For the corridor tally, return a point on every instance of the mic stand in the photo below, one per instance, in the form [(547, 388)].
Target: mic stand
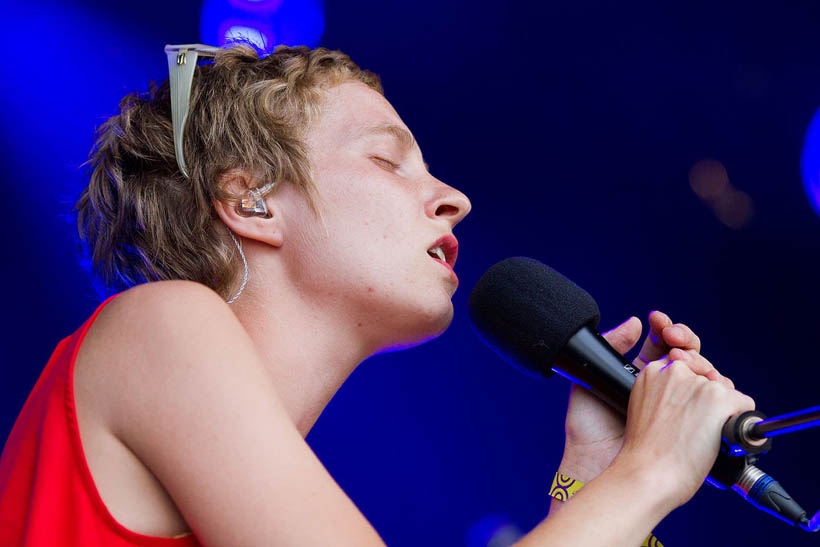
[(747, 435), (787, 423)]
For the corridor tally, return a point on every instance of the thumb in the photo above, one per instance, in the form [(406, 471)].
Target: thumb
[(624, 337)]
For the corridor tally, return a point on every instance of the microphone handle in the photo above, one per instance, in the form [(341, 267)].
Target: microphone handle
[(588, 359)]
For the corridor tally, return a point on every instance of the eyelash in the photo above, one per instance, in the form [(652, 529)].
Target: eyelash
[(393, 166)]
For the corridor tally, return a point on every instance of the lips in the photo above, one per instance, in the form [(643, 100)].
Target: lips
[(445, 249)]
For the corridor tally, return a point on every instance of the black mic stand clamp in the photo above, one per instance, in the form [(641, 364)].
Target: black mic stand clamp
[(734, 468), (738, 438)]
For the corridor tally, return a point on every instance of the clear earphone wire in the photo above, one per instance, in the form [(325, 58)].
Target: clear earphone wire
[(244, 264)]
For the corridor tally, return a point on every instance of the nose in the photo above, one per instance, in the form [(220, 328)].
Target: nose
[(447, 203)]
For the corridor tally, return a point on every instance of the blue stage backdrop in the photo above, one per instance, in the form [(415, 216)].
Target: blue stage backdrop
[(651, 151)]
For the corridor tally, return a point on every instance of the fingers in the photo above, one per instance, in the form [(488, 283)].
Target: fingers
[(657, 322), (663, 334), (700, 365), (744, 403), (681, 336), (624, 337), (693, 364), (675, 340), (655, 346), (654, 367), (680, 410), (702, 372), (681, 369), (696, 362), (731, 401)]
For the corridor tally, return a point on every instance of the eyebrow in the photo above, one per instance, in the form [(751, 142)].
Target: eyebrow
[(402, 135)]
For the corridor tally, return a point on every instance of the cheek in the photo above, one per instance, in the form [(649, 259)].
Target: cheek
[(368, 222), (377, 217)]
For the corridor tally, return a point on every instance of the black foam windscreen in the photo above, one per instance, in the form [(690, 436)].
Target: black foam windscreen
[(526, 312)]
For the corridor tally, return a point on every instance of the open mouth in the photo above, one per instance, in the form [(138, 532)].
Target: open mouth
[(437, 252), (445, 250)]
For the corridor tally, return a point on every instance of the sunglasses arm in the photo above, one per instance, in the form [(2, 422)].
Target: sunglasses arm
[(181, 65)]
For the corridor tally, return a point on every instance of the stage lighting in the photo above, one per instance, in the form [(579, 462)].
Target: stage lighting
[(265, 23), (810, 162)]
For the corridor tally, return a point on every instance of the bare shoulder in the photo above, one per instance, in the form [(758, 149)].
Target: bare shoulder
[(146, 332), (165, 308), (163, 342), (181, 384)]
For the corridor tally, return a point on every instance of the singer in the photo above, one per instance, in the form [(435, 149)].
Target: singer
[(269, 223)]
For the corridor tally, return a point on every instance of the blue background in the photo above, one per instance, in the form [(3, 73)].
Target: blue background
[(573, 127)]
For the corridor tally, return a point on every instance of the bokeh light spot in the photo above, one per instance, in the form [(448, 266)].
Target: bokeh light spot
[(810, 162), (708, 179), (710, 182), (265, 23)]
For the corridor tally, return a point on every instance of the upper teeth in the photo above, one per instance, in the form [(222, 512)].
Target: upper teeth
[(438, 253)]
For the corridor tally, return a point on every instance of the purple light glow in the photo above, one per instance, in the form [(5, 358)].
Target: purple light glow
[(265, 23), (810, 162)]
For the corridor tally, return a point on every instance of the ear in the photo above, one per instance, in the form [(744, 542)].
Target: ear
[(265, 230)]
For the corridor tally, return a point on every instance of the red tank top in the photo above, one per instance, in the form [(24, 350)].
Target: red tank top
[(47, 493)]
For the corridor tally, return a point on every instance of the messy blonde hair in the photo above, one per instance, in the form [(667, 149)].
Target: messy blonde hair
[(140, 220)]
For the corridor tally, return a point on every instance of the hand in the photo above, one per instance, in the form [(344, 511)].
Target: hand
[(673, 427), (594, 431)]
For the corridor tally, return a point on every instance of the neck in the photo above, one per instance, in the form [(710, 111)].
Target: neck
[(308, 351)]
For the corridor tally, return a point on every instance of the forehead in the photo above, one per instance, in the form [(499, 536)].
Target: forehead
[(350, 111)]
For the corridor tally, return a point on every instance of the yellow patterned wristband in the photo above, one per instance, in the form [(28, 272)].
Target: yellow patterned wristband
[(564, 487)]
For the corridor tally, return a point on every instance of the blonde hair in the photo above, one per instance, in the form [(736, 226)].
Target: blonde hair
[(140, 220)]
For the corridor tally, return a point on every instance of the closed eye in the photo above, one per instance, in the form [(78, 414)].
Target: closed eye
[(385, 163)]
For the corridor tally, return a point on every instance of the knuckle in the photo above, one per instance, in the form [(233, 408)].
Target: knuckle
[(747, 402), (726, 380), (678, 354), (678, 369), (646, 371), (714, 390), (699, 382), (652, 367)]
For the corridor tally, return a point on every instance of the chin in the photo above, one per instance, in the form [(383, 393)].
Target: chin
[(423, 330)]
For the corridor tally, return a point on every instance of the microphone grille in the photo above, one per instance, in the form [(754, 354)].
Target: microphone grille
[(527, 312)]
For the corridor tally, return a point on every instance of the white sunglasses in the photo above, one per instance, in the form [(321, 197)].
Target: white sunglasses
[(181, 65)]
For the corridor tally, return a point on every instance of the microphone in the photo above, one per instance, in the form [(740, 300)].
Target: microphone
[(542, 323)]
